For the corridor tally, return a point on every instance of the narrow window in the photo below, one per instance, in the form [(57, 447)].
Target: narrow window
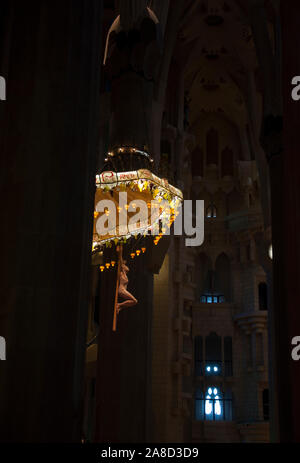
[(198, 356), (199, 405), (211, 211), (228, 355), (212, 147), (213, 404), (213, 355), (266, 404), (263, 296)]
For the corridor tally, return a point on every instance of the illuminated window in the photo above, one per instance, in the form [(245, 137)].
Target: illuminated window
[(213, 369), (213, 355), (215, 351), (212, 298), (213, 405)]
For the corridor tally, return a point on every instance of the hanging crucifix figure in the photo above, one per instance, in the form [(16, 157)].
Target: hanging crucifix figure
[(130, 300), (121, 289)]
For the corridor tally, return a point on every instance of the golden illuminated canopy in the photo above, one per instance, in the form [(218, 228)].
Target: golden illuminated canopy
[(132, 203)]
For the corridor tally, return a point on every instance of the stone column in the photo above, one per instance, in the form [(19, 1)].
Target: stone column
[(245, 144), (123, 393), (286, 251), (48, 144), (123, 386), (281, 148)]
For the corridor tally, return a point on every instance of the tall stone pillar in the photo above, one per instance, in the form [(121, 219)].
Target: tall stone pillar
[(123, 388), (123, 385), (286, 291), (48, 145), (282, 150)]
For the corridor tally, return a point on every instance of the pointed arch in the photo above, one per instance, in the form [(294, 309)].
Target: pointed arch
[(212, 147)]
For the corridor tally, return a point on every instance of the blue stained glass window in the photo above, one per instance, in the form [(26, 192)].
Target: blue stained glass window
[(212, 299), (213, 404)]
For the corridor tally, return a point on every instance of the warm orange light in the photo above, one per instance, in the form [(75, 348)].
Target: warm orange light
[(102, 268), (138, 252), (143, 250), (132, 255), (107, 265), (113, 263), (96, 214)]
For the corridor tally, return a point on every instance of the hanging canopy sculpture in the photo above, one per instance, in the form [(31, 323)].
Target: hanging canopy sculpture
[(129, 207)]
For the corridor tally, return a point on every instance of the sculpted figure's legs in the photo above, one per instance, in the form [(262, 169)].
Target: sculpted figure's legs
[(130, 300)]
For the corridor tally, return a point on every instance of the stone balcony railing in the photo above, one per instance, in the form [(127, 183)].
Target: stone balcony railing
[(252, 321)]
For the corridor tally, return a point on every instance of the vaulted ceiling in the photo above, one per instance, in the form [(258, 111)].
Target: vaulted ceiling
[(216, 48)]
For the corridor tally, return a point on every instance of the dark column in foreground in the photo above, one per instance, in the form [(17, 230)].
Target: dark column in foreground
[(48, 145), (123, 389), (124, 365), (285, 174)]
